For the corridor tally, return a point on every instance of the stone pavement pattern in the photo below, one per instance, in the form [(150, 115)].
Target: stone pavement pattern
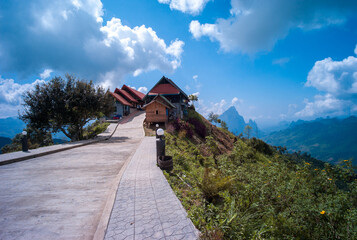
[(145, 205), (62, 195)]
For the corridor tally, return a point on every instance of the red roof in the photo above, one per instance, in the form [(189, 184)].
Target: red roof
[(140, 95), (126, 95), (164, 88), (120, 99)]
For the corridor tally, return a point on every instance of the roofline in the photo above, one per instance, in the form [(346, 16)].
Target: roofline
[(134, 91), (170, 81), (169, 104)]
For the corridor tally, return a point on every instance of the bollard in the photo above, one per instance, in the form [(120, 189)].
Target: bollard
[(25, 147), (160, 144), (157, 127)]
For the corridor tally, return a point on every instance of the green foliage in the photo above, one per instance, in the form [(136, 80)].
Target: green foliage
[(94, 129), (35, 138), (65, 105), (213, 182), (258, 192), (329, 139)]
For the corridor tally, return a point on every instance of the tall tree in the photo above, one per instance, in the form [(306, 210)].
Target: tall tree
[(193, 98), (248, 130), (65, 105)]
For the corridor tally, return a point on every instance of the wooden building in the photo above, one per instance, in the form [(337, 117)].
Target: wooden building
[(126, 99), (171, 93), (158, 110)]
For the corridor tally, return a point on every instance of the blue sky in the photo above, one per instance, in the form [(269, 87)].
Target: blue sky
[(273, 60)]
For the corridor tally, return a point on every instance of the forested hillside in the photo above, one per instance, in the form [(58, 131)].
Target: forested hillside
[(237, 188), (328, 139)]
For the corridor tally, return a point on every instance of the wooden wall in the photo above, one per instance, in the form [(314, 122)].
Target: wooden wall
[(156, 112)]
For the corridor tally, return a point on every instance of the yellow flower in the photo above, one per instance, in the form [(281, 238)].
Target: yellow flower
[(307, 163), (316, 169), (330, 179), (323, 170), (322, 212), (345, 160)]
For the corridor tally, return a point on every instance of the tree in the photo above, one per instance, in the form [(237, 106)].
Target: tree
[(224, 125), (247, 131), (193, 98), (213, 117), (65, 105)]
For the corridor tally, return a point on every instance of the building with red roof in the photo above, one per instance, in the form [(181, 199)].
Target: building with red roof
[(170, 102), (126, 99)]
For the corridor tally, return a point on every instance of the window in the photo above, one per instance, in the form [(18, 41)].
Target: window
[(157, 112)]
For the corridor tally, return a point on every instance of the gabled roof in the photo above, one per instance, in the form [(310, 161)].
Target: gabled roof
[(126, 95), (138, 94), (165, 86), (120, 99), (162, 100)]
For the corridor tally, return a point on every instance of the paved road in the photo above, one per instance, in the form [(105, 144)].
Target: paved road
[(145, 205), (62, 195)]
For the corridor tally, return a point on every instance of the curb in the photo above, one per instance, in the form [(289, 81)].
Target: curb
[(107, 211), (23, 158)]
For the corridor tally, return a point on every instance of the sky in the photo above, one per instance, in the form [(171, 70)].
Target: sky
[(273, 60)]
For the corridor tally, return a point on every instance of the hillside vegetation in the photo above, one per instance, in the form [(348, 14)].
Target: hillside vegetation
[(236, 188), (328, 139)]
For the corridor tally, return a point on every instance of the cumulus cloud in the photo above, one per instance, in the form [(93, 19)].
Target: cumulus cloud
[(46, 73), (338, 80), (143, 89), (11, 96), (236, 101), (11, 92), (187, 6), (256, 25), (70, 36), (196, 94)]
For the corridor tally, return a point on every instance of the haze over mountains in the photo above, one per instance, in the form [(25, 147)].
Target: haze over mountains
[(329, 139), (236, 123)]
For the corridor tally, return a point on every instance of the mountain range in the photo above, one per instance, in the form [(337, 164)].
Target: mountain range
[(236, 123), (329, 139)]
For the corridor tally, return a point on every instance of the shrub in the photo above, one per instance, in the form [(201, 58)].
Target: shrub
[(213, 182), (199, 127), (260, 146)]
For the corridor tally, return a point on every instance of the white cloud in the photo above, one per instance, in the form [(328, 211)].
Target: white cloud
[(205, 108), (338, 79), (187, 6), (11, 92), (326, 105), (196, 94), (256, 25), (236, 101), (70, 36), (143, 89), (46, 73), (195, 77), (187, 88)]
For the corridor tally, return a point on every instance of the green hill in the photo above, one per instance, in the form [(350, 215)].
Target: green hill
[(4, 141), (328, 139), (236, 188)]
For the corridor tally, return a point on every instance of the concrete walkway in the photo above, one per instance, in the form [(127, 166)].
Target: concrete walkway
[(145, 205), (65, 195), (13, 157)]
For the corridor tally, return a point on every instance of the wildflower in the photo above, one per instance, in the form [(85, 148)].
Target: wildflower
[(330, 179), (307, 163), (322, 212), (323, 170), (316, 169), (345, 160)]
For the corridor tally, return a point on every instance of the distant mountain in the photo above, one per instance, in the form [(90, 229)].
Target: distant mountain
[(329, 139), (4, 141), (236, 123), (9, 127)]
